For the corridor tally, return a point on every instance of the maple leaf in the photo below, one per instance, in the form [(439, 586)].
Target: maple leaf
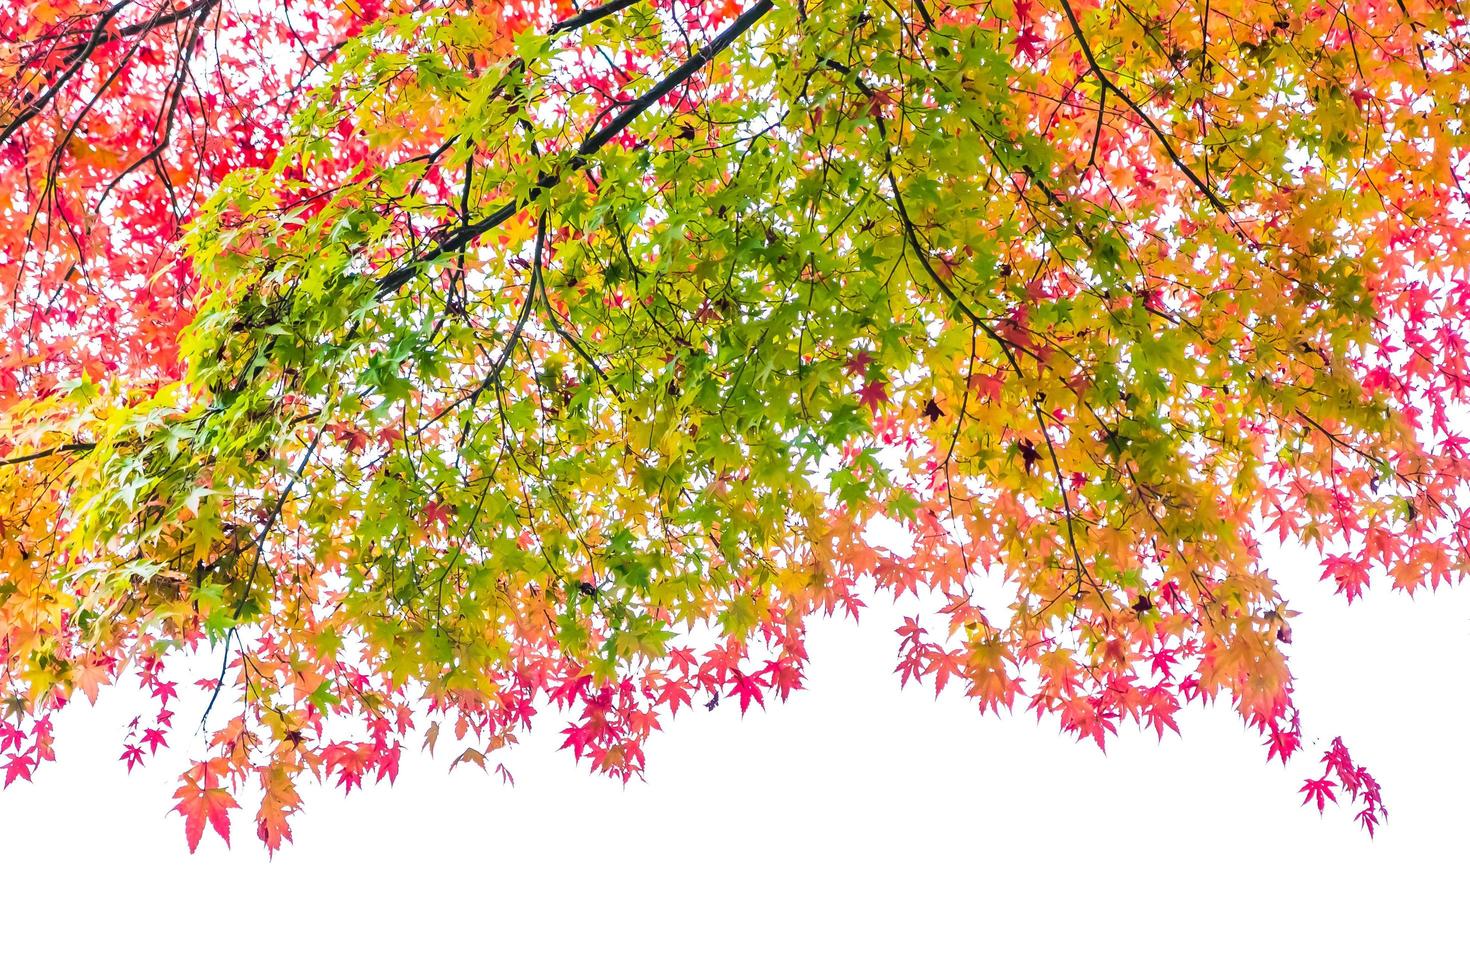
[(19, 766), (350, 761), (202, 800), (1350, 574), (1029, 43), (387, 762), (471, 755), (272, 828), (988, 385), (438, 514), (1318, 791), (1282, 744), (675, 695), (278, 801), (873, 394), (785, 676), (943, 665), (910, 668), (154, 739), (88, 676), (578, 737), (746, 688), (877, 102), (11, 737), (1029, 453), (1407, 576), (859, 362)]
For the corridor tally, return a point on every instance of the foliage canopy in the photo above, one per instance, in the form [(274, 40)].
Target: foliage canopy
[(421, 363)]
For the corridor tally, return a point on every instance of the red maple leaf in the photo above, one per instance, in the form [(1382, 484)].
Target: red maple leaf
[(1029, 43), (577, 738), (153, 738), (438, 513), (873, 394), (676, 695), (350, 761), (1319, 790), (785, 676), (19, 767), (1350, 574), (132, 755), (748, 691), (1282, 743)]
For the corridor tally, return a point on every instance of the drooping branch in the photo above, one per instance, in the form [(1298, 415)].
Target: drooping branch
[(34, 106), (84, 50), (1111, 86), (464, 234)]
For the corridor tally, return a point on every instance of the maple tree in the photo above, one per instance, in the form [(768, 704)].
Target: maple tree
[(407, 364)]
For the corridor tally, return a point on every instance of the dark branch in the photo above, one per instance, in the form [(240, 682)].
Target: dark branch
[(34, 107), (70, 447), (101, 35), (391, 282), (590, 16), (1109, 85)]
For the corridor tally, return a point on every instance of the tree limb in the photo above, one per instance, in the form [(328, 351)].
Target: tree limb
[(70, 447), (392, 281), (1110, 85)]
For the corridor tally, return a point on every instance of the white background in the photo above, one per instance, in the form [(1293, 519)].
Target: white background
[(854, 831)]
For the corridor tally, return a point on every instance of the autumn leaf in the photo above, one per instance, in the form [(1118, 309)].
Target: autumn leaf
[(201, 799), (18, 766), (873, 394), (1318, 791), (747, 690)]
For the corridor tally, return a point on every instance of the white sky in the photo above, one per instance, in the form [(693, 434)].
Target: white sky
[(855, 831)]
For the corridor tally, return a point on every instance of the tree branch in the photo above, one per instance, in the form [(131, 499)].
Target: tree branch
[(258, 543), (590, 16), (1109, 85), (99, 36), (34, 107), (392, 281), (70, 447)]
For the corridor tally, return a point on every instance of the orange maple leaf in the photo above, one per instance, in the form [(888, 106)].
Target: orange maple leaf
[(201, 799)]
